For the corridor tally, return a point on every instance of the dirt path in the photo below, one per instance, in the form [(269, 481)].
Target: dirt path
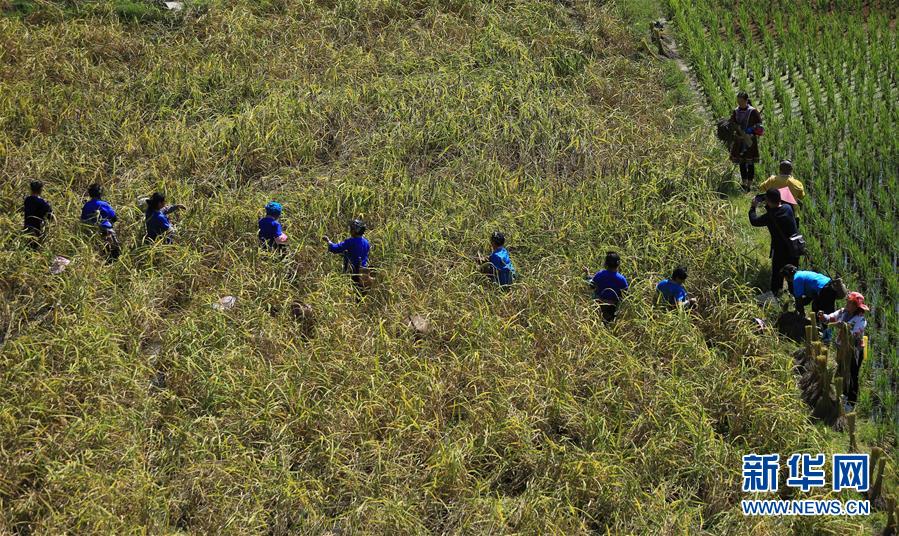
[(682, 65)]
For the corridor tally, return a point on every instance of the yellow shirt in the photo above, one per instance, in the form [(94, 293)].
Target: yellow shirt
[(784, 181)]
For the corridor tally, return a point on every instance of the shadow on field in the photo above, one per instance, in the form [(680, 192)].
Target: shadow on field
[(755, 271), (792, 325), (760, 276), (728, 186)]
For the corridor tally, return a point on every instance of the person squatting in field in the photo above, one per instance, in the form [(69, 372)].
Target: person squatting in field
[(36, 211), (271, 234), (608, 286), (781, 224), (745, 147), (156, 219), (785, 179), (355, 250), (498, 266), (99, 214), (809, 287), (672, 291)]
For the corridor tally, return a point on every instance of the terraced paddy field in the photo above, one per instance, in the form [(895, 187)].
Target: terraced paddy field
[(132, 401), (824, 75)]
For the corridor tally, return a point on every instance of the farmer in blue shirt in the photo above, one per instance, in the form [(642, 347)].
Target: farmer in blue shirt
[(157, 221), (498, 267), (96, 211), (99, 213), (811, 287), (355, 254), (271, 235), (608, 286), (672, 290)]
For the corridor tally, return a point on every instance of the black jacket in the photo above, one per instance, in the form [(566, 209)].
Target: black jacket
[(36, 210), (781, 231)]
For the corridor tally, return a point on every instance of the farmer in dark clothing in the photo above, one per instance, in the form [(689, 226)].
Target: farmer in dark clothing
[(745, 147), (781, 223), (36, 210)]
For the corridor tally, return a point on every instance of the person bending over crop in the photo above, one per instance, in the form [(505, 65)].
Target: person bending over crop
[(811, 287), (36, 210), (355, 251), (745, 148), (498, 267), (781, 224), (854, 315), (271, 235), (98, 213), (608, 286), (157, 221), (672, 290), (785, 179)]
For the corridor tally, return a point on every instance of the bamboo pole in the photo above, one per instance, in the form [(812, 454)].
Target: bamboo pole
[(850, 423)]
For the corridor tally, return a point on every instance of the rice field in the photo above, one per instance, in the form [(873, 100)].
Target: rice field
[(824, 76), (134, 399)]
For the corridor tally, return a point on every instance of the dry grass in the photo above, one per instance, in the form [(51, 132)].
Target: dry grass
[(438, 123)]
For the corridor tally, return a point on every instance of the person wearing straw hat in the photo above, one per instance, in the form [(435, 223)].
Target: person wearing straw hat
[(271, 234), (785, 179), (854, 315), (781, 224)]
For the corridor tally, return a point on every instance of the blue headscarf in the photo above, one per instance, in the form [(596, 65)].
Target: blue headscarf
[(273, 209)]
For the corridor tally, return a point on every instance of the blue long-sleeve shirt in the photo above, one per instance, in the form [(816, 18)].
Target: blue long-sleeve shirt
[(355, 253), (502, 264), (673, 292), (269, 230), (807, 283), (98, 212), (158, 223)]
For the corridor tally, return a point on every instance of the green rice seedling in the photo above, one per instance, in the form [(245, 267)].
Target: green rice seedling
[(822, 81)]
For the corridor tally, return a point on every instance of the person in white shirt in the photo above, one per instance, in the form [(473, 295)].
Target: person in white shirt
[(854, 315)]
